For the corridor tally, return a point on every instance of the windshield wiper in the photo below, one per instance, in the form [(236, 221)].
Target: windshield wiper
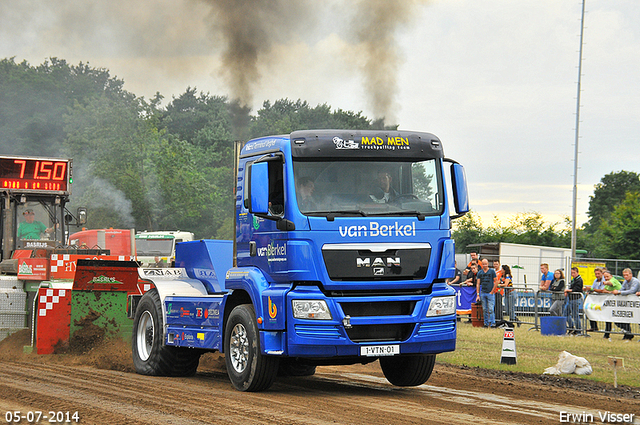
[(418, 214), (331, 215)]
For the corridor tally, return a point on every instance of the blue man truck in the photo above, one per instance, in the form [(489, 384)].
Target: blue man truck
[(343, 245)]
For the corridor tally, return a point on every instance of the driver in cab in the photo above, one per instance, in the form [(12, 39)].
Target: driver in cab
[(383, 193), (32, 228)]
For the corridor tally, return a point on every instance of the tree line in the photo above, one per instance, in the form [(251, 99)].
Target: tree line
[(612, 231)]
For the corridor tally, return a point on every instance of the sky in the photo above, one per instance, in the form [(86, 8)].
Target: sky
[(495, 80)]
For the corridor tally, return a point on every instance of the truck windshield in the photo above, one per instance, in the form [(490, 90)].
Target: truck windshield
[(149, 247), (369, 187)]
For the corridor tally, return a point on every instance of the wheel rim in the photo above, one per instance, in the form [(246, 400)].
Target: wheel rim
[(144, 336), (239, 348)]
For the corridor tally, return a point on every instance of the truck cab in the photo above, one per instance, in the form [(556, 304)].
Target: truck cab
[(353, 229), (158, 249)]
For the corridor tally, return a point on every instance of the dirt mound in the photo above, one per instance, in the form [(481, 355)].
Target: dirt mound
[(12, 346), (564, 382), (88, 348), (212, 362)]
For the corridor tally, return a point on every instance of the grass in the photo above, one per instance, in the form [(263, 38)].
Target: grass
[(481, 347)]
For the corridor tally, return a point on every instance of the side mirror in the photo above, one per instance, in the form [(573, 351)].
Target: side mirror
[(460, 193), (259, 188), (82, 216)]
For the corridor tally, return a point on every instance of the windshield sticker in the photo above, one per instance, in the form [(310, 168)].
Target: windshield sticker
[(344, 144), (260, 144), (373, 143), (391, 143), (377, 229)]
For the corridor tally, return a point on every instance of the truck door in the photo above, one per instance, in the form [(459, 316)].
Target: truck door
[(265, 199)]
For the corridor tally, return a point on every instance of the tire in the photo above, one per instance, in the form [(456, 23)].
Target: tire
[(150, 355), (408, 370), (292, 367), (247, 368)]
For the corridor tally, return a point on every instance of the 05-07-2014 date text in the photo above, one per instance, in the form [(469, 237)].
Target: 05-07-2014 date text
[(36, 416)]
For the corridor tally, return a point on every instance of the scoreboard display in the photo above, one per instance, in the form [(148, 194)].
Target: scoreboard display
[(28, 174)]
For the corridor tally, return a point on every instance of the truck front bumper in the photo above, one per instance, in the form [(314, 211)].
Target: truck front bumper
[(358, 322)]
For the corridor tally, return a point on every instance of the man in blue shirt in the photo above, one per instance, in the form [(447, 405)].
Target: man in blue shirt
[(547, 277), (486, 287), (598, 287)]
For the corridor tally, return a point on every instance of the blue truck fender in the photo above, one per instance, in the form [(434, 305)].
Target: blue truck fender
[(268, 300), (172, 283)]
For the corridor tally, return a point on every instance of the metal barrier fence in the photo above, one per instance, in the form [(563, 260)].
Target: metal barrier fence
[(524, 306), (526, 269)]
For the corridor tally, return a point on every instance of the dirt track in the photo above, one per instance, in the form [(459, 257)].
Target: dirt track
[(102, 389)]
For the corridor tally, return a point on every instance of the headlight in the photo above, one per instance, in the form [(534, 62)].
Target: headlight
[(311, 309), (442, 306)]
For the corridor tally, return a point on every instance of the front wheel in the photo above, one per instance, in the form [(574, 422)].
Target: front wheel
[(408, 370), (247, 368)]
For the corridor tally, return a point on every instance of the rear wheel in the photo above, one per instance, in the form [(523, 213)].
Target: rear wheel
[(247, 368), (150, 355), (408, 370)]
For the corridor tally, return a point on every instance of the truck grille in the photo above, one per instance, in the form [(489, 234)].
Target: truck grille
[(386, 308), (368, 333), (345, 263)]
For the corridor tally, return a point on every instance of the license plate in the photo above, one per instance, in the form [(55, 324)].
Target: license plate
[(379, 350)]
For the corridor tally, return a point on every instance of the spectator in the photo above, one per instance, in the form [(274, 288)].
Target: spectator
[(598, 287), (546, 278), (506, 284), (32, 228), (474, 257), (557, 293), (470, 278), (486, 288), (499, 291), (457, 279), (630, 286), (572, 302), (610, 284)]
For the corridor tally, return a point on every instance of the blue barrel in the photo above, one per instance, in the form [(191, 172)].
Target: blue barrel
[(553, 325)]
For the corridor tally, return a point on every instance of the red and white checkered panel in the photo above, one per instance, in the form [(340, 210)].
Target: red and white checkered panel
[(53, 319), (50, 297)]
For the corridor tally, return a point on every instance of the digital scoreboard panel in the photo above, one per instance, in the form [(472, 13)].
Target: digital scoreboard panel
[(28, 174)]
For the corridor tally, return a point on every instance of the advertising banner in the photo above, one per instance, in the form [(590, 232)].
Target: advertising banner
[(465, 296), (613, 308)]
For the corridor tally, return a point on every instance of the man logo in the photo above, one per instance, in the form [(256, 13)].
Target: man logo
[(378, 262)]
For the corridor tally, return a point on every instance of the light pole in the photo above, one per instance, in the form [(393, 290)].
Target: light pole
[(575, 154)]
